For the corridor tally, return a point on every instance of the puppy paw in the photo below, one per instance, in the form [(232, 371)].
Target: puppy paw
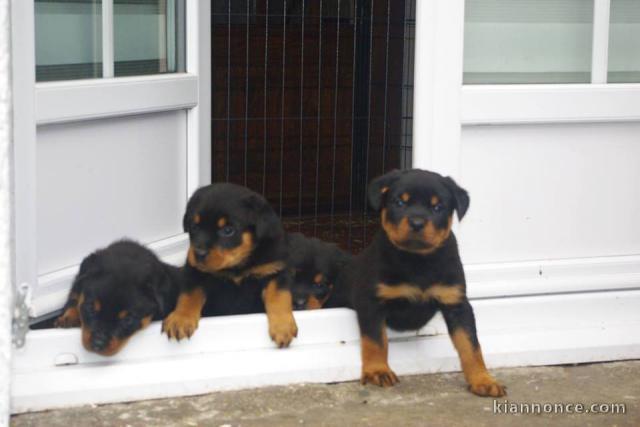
[(380, 375), (487, 386), (180, 325), (69, 319), (283, 330)]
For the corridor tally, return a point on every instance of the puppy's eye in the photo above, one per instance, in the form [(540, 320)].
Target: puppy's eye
[(439, 207), (227, 231), (400, 203)]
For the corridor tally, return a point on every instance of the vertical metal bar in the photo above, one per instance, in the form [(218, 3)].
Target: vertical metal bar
[(284, 58), (353, 122), (228, 147), (386, 89), (246, 96), (335, 121), (266, 64), (366, 155), (315, 217), (301, 118), (107, 39)]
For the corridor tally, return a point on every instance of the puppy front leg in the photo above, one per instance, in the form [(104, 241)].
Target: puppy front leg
[(183, 321), (374, 349), (279, 307), (461, 324)]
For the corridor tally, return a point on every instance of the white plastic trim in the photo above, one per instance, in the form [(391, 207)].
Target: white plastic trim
[(108, 48), (75, 100), (579, 103), (439, 45), (600, 45)]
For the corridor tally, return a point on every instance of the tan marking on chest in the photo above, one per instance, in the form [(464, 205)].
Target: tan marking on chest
[(259, 271), (444, 294)]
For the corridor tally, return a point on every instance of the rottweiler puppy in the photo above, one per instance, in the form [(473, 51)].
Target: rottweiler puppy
[(411, 270), (315, 266), (118, 291), (236, 262)]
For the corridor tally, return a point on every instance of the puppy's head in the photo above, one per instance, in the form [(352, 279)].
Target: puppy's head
[(117, 300), (226, 224), (315, 265), (416, 208)]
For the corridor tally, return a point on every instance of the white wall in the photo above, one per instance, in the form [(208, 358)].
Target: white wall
[(5, 223)]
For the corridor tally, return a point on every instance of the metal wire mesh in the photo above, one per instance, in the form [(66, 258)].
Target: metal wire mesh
[(312, 100)]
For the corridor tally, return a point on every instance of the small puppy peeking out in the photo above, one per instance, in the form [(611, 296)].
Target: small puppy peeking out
[(412, 270), (315, 265), (118, 291), (236, 263)]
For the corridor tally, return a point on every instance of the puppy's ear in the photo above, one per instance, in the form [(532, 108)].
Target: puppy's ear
[(187, 219), (380, 186), (267, 223), (460, 196)]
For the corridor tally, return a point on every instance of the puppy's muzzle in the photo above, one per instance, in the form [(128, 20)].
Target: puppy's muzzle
[(200, 254), (416, 223)]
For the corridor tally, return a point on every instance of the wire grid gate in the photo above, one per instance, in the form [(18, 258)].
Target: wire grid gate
[(311, 100)]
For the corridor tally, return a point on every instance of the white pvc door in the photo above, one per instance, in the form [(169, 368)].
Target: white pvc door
[(534, 106), (117, 136)]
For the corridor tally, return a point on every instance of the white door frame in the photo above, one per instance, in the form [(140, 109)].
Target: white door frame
[(56, 102)]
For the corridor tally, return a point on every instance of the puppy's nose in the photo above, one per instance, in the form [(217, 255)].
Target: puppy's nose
[(416, 224), (200, 254), (299, 304), (99, 341)]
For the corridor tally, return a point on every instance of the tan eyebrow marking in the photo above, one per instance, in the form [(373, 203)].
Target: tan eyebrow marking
[(434, 200), (405, 197), (222, 222)]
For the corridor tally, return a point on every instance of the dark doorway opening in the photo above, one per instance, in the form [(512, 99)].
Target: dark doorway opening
[(310, 101)]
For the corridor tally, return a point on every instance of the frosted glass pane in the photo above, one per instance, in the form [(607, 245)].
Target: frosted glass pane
[(624, 42), (68, 39), (527, 41), (148, 36)]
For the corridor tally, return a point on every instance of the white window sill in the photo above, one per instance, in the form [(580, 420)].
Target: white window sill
[(235, 352)]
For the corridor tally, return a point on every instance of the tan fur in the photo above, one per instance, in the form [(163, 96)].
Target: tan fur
[(220, 259), (259, 271), (375, 368), (183, 320), (473, 367), (444, 294), (279, 307)]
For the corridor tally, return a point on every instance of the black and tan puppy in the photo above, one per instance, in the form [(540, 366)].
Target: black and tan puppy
[(411, 270), (118, 291), (315, 266), (236, 262)]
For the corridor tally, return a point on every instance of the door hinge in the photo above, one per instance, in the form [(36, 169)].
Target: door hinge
[(20, 324)]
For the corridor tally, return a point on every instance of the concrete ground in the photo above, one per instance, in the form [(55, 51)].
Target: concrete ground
[(439, 400)]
